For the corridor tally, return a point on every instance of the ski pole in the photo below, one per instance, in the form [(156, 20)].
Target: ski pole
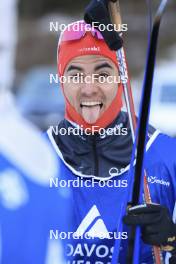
[(114, 9)]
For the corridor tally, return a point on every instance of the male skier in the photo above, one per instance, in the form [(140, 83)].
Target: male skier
[(94, 147)]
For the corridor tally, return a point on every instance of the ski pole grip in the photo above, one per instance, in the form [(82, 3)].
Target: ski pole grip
[(114, 10)]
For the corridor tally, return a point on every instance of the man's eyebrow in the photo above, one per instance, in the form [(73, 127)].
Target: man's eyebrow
[(74, 67), (103, 65)]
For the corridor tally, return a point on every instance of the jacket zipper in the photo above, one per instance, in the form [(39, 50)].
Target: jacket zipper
[(95, 154)]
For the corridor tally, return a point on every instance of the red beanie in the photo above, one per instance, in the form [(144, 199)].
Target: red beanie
[(86, 45)]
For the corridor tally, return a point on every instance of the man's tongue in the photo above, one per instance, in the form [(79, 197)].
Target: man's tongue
[(91, 113)]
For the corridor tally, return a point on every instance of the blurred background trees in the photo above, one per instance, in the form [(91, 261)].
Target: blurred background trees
[(34, 35)]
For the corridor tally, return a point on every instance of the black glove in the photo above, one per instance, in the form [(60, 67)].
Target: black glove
[(97, 11), (157, 227)]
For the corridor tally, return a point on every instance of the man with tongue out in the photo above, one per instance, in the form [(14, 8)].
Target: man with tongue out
[(100, 163), (93, 100)]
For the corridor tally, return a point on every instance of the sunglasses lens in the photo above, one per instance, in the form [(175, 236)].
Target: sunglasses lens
[(78, 30), (71, 35)]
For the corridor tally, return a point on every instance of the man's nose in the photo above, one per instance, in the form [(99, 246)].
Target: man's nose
[(89, 88)]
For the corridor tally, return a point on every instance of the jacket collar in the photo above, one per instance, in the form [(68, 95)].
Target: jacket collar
[(95, 155)]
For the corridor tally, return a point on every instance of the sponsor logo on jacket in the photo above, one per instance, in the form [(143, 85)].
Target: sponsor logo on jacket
[(155, 180), (98, 251)]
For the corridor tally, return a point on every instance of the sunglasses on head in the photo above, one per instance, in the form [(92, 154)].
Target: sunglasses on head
[(78, 30)]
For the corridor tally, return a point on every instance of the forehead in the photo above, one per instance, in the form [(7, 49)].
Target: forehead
[(90, 61)]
